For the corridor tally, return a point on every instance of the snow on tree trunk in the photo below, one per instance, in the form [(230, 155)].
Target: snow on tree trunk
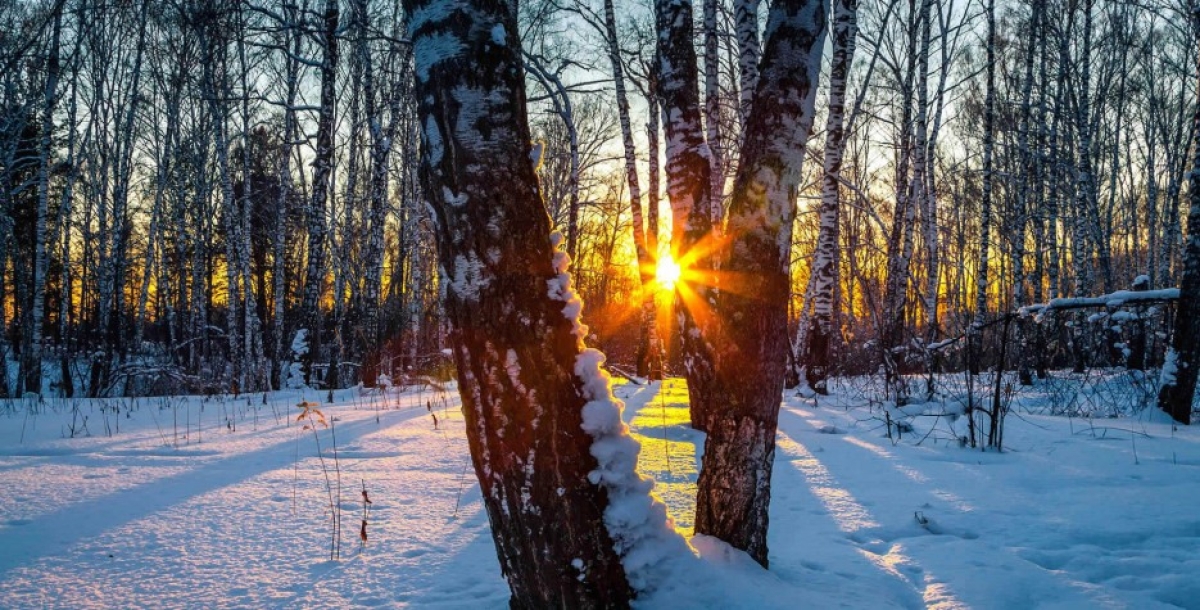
[(989, 121), (688, 186), (573, 523), (923, 192), (734, 487), (825, 268), (1025, 357), (253, 373), (1080, 233), (1179, 389)]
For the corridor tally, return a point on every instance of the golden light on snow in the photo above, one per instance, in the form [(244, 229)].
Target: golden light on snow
[(668, 272)]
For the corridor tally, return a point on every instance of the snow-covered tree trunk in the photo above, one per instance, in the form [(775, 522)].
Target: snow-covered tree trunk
[(66, 285), (1080, 227), (816, 354), (314, 276), (554, 462), (1025, 193), (734, 490), (899, 243), (1153, 213), (253, 375), (688, 186), (1058, 172), (1182, 364), (919, 188)]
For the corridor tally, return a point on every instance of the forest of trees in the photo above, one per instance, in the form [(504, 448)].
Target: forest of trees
[(186, 185), (234, 196)]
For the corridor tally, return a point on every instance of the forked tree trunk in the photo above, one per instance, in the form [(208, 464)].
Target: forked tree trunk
[(552, 457), (734, 488)]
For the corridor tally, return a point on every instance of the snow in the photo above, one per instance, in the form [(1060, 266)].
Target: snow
[(295, 369), (637, 521), (300, 343), (468, 277), (1170, 368), (1114, 299), (433, 141), (434, 48), (221, 502), (499, 38)]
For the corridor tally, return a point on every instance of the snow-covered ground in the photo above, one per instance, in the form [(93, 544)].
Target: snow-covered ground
[(188, 502)]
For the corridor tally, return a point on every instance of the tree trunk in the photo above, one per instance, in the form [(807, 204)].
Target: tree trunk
[(286, 187), (648, 349), (816, 355), (745, 16), (314, 276), (1183, 361), (688, 186), (734, 488), (31, 358), (530, 389)]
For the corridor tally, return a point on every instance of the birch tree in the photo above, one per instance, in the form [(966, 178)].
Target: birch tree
[(31, 363), (554, 462), (314, 276), (827, 259), (735, 359)]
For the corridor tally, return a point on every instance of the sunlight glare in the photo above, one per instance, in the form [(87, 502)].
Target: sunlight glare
[(668, 272)]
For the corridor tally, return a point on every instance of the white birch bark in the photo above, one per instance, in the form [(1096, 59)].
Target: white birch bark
[(817, 348), (32, 358)]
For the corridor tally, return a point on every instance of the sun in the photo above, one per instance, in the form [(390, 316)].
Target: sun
[(668, 272)]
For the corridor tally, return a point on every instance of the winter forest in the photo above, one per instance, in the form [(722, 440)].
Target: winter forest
[(592, 303)]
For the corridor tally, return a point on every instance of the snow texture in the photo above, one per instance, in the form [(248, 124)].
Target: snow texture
[(498, 36), (1115, 299), (1170, 368), (637, 521), (184, 502)]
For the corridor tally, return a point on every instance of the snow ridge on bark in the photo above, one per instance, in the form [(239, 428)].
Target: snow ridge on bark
[(643, 533)]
